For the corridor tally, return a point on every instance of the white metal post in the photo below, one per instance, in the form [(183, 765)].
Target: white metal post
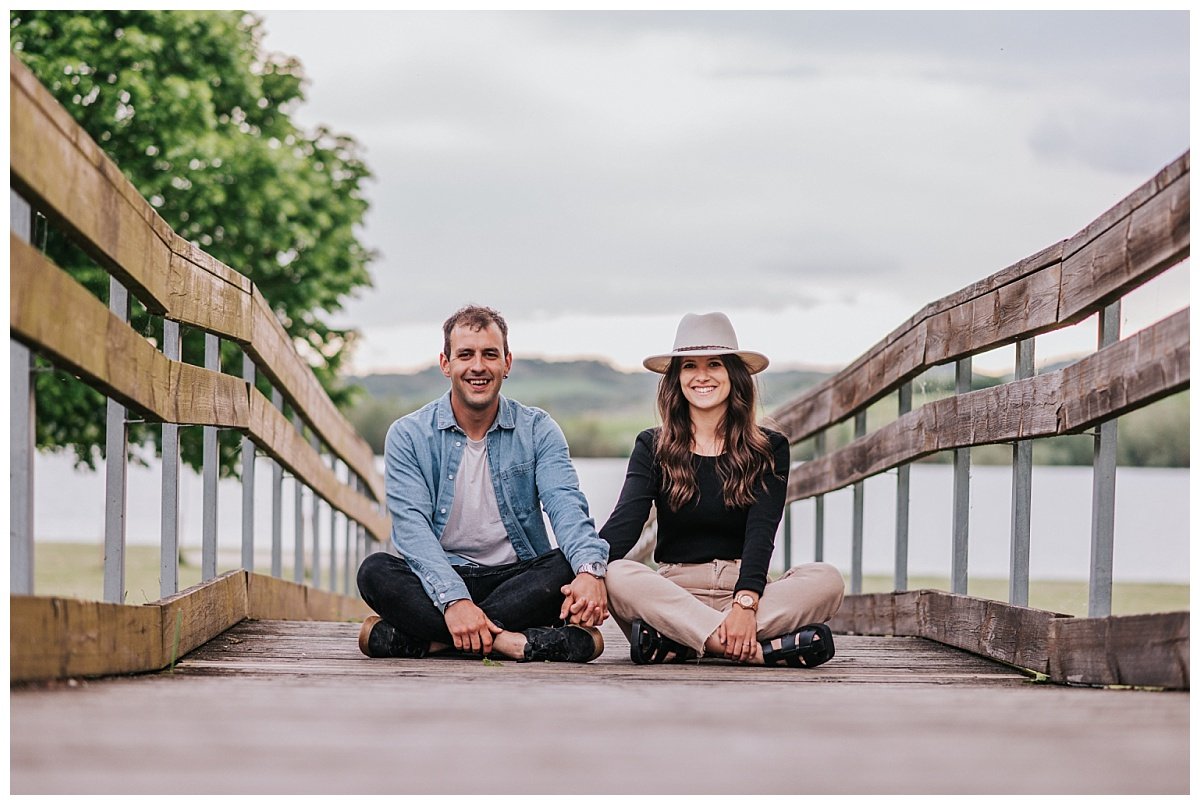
[(248, 455), (316, 525), (298, 515), (819, 506), (962, 492), (277, 502), (115, 472), (856, 532), (333, 514), (900, 568), (1022, 494), (1104, 489), (211, 473), (168, 578), (21, 410)]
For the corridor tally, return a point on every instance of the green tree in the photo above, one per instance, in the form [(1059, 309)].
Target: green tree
[(196, 115)]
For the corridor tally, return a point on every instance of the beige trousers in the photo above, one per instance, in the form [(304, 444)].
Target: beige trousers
[(687, 602)]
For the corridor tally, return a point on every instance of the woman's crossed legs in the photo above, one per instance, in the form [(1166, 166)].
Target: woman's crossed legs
[(688, 602)]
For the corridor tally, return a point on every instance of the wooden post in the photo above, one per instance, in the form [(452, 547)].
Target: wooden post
[(211, 471), (168, 554), (21, 420), (900, 569), (856, 536), (1104, 488), (115, 472), (1022, 493), (962, 492)]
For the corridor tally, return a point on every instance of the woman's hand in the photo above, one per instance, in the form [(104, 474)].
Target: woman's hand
[(738, 634)]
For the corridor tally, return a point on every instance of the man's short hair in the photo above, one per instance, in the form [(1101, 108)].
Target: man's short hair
[(477, 318)]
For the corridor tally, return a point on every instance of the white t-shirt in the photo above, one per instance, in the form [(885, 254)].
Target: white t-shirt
[(473, 530)]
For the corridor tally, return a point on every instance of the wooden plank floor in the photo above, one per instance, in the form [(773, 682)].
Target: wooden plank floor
[(292, 707)]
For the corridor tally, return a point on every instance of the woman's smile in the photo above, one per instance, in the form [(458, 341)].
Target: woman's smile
[(704, 381)]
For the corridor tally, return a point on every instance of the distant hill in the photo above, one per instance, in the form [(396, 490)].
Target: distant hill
[(600, 408)]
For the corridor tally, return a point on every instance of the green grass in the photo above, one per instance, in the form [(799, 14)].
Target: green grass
[(77, 571)]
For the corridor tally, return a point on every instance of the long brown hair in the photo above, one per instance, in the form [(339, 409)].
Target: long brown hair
[(747, 458)]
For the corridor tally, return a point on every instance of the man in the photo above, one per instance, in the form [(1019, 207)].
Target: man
[(465, 477)]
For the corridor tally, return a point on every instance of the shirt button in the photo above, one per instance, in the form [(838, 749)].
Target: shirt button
[(451, 476), (458, 444), (443, 511)]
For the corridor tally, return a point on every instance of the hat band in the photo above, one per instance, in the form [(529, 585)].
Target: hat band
[(704, 346)]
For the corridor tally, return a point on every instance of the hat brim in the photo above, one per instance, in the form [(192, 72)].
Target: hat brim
[(755, 361)]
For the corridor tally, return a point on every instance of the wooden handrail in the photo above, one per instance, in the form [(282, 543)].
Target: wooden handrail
[(1145, 234), (1131, 373), (1139, 238), (57, 165)]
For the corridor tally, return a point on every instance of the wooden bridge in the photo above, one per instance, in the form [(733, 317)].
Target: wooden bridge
[(252, 682)]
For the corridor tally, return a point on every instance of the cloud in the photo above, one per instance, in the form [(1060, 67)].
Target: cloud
[(1115, 140), (632, 164)]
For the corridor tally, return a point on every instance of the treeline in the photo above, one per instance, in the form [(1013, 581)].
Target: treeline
[(601, 409)]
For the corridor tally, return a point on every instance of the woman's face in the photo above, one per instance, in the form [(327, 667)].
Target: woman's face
[(705, 382)]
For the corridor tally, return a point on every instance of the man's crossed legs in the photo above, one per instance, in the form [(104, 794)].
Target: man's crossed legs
[(522, 599)]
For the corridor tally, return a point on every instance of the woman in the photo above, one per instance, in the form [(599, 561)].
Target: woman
[(718, 481)]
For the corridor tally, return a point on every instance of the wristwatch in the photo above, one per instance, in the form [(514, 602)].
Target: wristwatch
[(597, 569), (746, 601)]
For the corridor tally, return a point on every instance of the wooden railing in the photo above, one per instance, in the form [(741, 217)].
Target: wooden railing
[(57, 170), (1135, 241)]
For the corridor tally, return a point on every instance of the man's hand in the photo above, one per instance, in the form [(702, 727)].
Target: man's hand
[(471, 629), (738, 634), (585, 601)]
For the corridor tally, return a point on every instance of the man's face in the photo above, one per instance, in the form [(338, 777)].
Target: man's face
[(476, 366)]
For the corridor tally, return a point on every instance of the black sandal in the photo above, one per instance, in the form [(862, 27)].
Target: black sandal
[(647, 646), (809, 647)]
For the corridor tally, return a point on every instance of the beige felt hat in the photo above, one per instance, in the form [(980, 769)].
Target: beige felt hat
[(706, 334)]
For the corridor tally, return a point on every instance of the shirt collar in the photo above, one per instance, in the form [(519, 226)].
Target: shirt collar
[(505, 418)]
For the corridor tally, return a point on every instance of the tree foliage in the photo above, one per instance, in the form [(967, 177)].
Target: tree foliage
[(196, 115)]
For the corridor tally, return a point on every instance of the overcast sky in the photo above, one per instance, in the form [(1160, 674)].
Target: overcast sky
[(819, 176)]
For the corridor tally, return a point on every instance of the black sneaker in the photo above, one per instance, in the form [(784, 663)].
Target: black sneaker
[(378, 638), (562, 644)]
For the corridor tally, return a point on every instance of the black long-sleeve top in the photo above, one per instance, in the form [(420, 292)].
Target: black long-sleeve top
[(704, 529)]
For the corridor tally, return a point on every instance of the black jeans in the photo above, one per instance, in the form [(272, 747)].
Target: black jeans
[(514, 596)]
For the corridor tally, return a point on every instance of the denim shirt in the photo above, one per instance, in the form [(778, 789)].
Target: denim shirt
[(529, 465)]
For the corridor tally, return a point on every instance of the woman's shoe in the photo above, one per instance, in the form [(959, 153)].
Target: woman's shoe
[(648, 646), (807, 647)]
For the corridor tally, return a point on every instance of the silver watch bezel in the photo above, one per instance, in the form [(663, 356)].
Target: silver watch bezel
[(594, 569)]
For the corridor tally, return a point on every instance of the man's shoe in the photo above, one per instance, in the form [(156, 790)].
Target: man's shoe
[(562, 644), (378, 638)]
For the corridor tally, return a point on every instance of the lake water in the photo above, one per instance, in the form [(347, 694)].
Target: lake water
[(1152, 520)]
